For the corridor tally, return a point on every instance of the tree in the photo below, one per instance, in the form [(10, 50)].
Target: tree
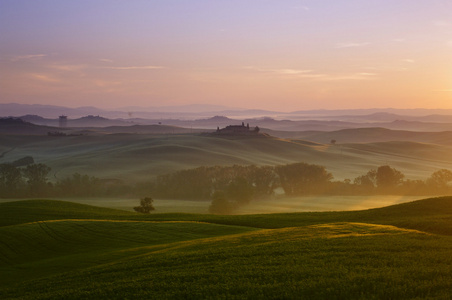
[(240, 190), (36, 175), (10, 180), (439, 180), (145, 205), (366, 182), (221, 205), (264, 179), (79, 185), (388, 178), (303, 178)]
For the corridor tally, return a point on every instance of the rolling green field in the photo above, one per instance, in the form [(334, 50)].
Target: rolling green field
[(140, 157), (62, 250)]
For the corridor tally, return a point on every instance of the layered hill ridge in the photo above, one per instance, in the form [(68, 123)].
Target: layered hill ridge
[(136, 157)]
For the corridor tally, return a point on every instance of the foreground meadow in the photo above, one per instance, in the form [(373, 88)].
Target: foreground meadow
[(62, 250)]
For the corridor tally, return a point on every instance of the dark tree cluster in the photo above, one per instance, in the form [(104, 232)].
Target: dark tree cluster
[(387, 180), (240, 182), (24, 181), (146, 205), (228, 187), (32, 181)]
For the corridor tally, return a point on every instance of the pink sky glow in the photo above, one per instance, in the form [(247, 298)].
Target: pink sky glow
[(267, 54)]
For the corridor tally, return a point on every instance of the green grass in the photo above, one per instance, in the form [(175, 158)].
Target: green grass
[(139, 157), (18, 212), (62, 250), (47, 246)]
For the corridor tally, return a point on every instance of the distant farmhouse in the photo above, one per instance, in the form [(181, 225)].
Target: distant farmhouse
[(237, 130)]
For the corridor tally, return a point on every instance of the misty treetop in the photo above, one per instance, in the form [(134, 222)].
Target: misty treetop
[(26, 181), (237, 183), (244, 183)]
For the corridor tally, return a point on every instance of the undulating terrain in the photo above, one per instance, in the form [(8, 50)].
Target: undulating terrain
[(316, 247), (134, 153), (56, 250)]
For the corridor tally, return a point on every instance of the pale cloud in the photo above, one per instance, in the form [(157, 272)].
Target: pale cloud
[(43, 77), (106, 60), (279, 71), (290, 71), (444, 91), (407, 60), (28, 57), (310, 74), (106, 83), (351, 45), (351, 76), (67, 67), (137, 68)]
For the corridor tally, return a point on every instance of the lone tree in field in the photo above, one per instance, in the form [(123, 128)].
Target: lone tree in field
[(145, 205)]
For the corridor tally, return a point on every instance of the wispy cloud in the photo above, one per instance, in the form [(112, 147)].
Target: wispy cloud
[(349, 76), (290, 71), (44, 77), (407, 60), (106, 60), (310, 74), (137, 68), (68, 67), (444, 91), (282, 71), (27, 57), (351, 45)]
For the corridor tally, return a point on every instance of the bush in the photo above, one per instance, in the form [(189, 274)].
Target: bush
[(145, 205)]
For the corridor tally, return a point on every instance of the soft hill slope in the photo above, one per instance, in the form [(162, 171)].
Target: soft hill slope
[(71, 244), (433, 215), (19, 212), (96, 253)]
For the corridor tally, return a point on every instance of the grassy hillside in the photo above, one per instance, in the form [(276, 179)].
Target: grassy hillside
[(138, 157), (20, 212), (55, 250)]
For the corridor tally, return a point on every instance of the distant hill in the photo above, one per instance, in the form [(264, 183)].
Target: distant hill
[(85, 121), (202, 111), (18, 126), (371, 135)]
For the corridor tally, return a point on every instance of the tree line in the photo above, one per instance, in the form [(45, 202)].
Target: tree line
[(242, 184), (32, 180)]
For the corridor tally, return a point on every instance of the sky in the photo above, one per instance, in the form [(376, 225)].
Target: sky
[(280, 55)]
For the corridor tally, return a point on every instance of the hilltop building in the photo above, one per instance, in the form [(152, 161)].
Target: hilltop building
[(62, 121), (237, 130)]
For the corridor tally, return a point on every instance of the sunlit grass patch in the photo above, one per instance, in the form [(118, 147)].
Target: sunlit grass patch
[(46, 246), (373, 254), (380, 262)]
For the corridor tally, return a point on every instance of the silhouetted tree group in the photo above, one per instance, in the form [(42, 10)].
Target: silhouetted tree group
[(32, 181), (227, 186), (24, 181)]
